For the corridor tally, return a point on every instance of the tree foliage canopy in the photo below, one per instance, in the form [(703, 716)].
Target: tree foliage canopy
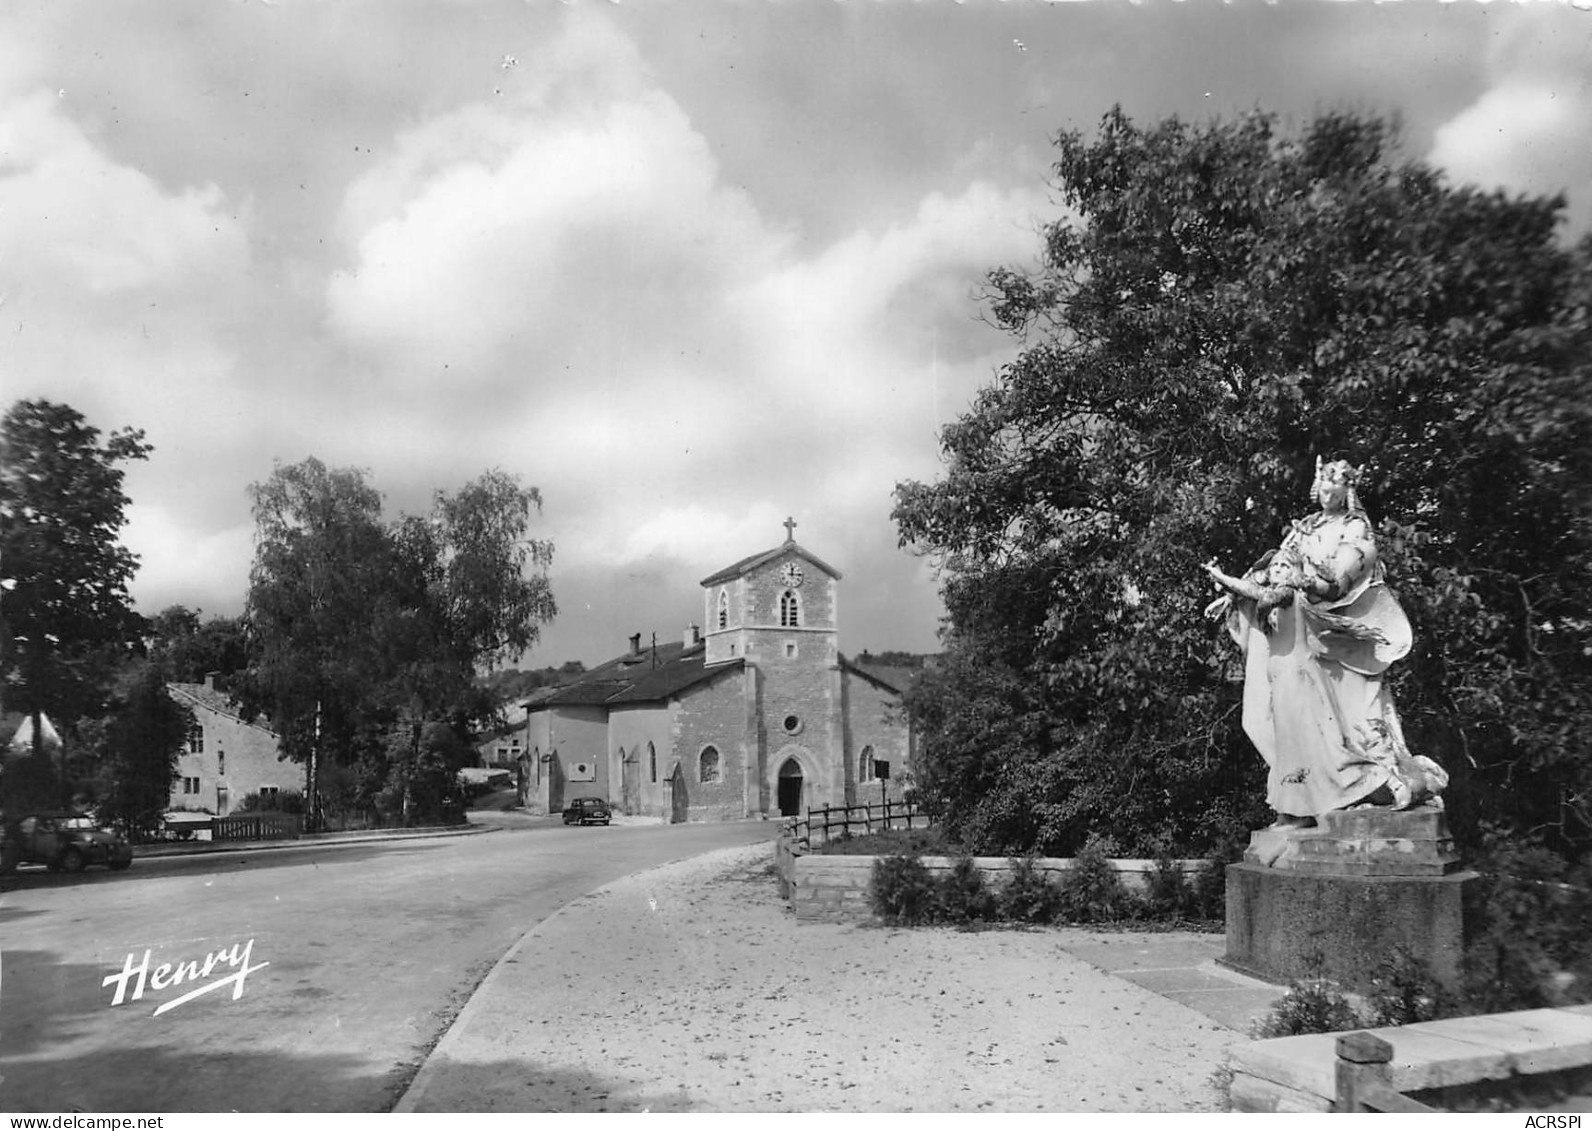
[(1219, 305), (365, 633), (65, 572)]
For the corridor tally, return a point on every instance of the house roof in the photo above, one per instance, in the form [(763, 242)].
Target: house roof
[(646, 676), (200, 695), (747, 565)]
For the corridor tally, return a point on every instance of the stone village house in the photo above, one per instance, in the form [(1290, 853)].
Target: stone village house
[(225, 758), (758, 715)]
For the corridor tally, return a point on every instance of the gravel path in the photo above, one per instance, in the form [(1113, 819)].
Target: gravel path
[(691, 988)]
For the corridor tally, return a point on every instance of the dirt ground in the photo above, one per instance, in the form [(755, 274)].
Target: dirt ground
[(691, 988)]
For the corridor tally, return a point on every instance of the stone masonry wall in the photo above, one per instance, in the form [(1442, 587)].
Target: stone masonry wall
[(238, 759), (714, 714), (874, 718)]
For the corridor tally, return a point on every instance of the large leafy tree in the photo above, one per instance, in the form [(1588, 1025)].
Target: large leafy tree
[(65, 606), (1220, 304), (142, 740), (363, 632), (190, 650)]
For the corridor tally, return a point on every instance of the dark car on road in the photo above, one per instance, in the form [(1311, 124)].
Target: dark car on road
[(62, 842), (588, 811)]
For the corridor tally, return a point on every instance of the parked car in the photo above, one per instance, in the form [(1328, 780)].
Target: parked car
[(62, 842), (588, 811)]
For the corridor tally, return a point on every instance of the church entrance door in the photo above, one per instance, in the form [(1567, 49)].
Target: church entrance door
[(790, 788), (679, 801)]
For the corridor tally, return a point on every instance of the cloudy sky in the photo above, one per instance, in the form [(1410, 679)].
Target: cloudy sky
[(686, 268)]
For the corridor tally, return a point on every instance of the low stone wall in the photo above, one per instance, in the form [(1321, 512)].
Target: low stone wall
[(1299, 1074), (833, 889)]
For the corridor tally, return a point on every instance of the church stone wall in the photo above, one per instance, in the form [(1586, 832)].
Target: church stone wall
[(577, 734), (803, 690), (714, 714), (875, 718), (633, 729)]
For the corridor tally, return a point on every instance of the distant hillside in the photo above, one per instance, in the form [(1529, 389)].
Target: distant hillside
[(511, 684), (890, 659)]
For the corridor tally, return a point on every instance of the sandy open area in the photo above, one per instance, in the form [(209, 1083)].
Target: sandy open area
[(691, 988)]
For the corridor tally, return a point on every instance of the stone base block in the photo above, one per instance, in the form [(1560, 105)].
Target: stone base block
[(1284, 924)]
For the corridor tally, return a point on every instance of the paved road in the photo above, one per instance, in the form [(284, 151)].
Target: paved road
[(353, 960)]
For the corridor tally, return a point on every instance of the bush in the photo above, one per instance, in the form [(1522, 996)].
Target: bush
[(1092, 891), (902, 891), (1168, 893), (963, 896), (1029, 896), (1314, 1005), (1404, 992), (1526, 925), (283, 801)]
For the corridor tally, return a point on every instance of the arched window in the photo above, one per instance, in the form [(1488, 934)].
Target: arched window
[(652, 761), (790, 609), (724, 609), (865, 764), (709, 764)]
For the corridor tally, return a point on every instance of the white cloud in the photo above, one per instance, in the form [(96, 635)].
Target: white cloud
[(1531, 131), (182, 561), (523, 235), (74, 218)]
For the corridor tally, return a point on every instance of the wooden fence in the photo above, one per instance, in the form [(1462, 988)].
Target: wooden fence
[(820, 826), (257, 826)]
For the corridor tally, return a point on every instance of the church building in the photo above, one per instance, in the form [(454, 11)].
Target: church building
[(755, 714)]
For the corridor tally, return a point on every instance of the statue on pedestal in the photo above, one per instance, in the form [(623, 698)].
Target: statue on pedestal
[(1319, 627)]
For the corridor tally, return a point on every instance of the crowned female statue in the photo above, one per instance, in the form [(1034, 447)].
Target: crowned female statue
[(1319, 627)]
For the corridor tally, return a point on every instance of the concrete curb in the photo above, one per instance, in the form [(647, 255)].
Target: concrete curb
[(415, 1093)]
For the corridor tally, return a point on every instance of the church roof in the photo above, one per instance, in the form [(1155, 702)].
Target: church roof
[(895, 679), (747, 565), (647, 676)]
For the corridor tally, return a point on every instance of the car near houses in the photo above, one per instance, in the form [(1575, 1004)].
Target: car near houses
[(62, 842), (588, 811)]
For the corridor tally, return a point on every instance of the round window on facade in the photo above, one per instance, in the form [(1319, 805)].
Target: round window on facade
[(793, 725)]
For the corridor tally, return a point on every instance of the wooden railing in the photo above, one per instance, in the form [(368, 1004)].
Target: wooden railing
[(820, 826), (257, 826), (1364, 1078)]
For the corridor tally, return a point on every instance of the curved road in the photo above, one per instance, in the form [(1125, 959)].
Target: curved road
[(353, 961)]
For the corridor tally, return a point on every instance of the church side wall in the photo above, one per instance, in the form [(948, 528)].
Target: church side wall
[(714, 714), (876, 720), (578, 735), (632, 729)]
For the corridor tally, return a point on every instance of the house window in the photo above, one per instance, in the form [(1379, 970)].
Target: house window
[(268, 796), (196, 739), (724, 609), (652, 762), (865, 764), (190, 785), (709, 764), (790, 610), (221, 763)]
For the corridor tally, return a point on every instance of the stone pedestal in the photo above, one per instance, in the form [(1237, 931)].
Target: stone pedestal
[(1336, 900)]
